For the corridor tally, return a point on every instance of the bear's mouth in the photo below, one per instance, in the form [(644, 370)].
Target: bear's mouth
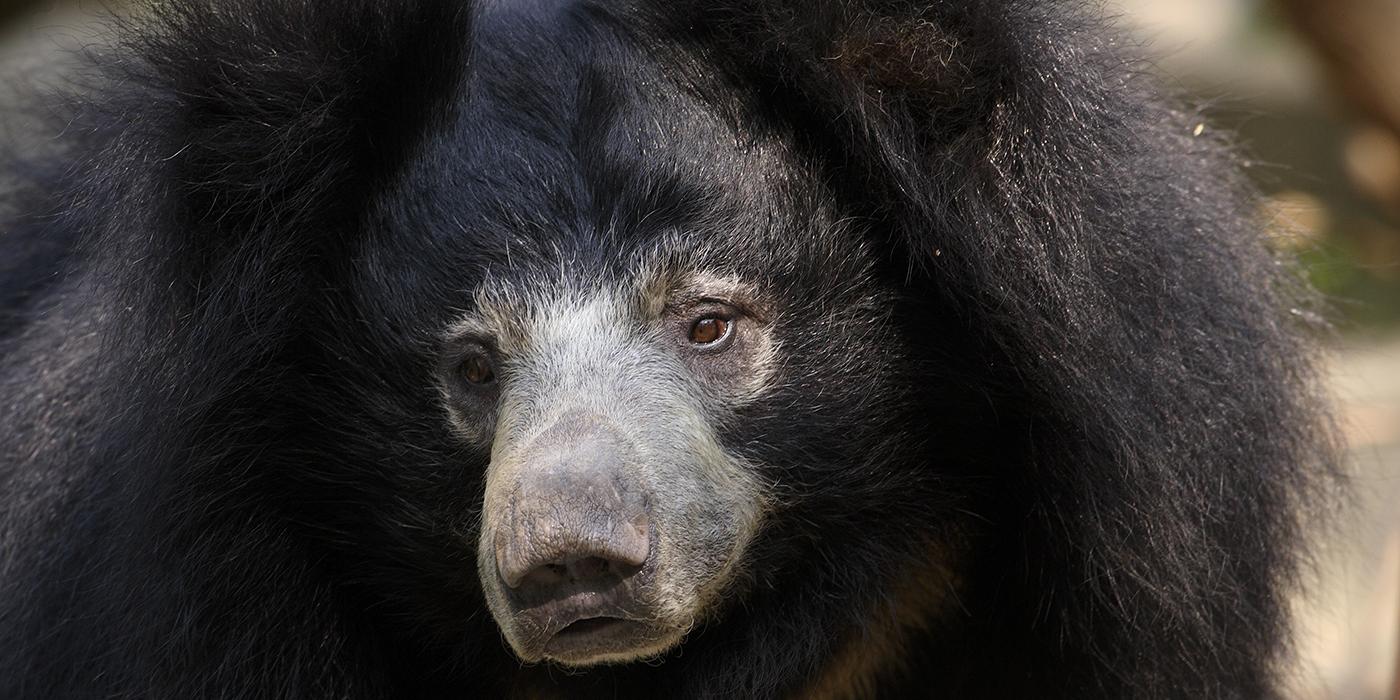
[(596, 640), (591, 628), (603, 636)]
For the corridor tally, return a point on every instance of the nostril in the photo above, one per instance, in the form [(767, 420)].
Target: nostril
[(590, 568), (575, 570), (547, 575)]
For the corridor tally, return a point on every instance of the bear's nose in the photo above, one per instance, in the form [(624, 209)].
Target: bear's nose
[(574, 518)]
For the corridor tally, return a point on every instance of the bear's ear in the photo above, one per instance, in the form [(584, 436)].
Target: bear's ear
[(279, 116)]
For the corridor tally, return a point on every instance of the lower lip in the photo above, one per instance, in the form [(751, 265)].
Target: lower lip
[(594, 637), (589, 627)]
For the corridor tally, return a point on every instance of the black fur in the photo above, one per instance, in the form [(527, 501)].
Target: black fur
[(225, 472)]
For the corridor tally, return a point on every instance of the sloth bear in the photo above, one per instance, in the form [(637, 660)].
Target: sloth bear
[(642, 348)]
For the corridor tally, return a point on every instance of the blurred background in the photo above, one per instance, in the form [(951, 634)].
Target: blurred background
[(1311, 88)]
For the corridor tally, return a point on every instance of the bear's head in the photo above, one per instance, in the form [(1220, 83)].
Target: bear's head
[(671, 353)]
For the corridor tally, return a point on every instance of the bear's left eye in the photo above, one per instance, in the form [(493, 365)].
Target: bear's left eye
[(711, 332)]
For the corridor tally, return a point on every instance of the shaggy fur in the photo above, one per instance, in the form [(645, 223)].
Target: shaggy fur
[(225, 472)]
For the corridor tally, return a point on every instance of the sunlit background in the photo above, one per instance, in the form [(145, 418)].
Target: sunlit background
[(1311, 88)]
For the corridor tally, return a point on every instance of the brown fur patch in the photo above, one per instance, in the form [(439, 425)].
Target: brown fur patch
[(877, 648)]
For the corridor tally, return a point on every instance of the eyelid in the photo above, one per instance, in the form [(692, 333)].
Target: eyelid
[(696, 306), (681, 304), (712, 307), (469, 328), (465, 347)]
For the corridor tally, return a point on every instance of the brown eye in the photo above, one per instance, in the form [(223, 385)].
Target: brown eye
[(477, 370), (710, 330)]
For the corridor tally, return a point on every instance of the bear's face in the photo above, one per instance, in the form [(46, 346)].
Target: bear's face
[(661, 356), (613, 513), (625, 407), (660, 339), (619, 413), (623, 489)]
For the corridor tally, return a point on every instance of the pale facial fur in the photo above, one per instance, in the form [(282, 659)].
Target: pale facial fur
[(611, 365)]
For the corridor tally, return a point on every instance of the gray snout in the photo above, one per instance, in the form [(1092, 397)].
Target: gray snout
[(575, 522)]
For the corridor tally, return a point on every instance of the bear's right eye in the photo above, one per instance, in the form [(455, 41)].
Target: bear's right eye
[(477, 370)]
